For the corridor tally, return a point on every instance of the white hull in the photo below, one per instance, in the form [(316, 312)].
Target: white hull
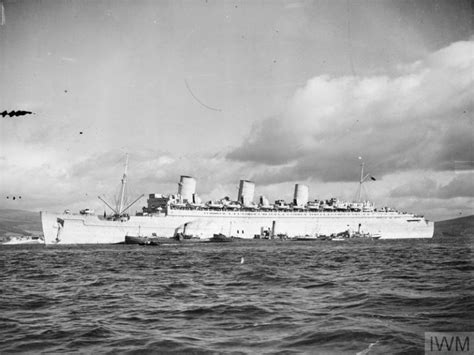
[(88, 229)]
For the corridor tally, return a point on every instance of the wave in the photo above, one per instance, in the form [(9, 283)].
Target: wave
[(286, 298)]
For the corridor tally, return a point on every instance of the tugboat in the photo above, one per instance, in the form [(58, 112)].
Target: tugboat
[(144, 240), (323, 237), (306, 237), (360, 234), (339, 237), (221, 238), (346, 235), (365, 235), (140, 240), (27, 239)]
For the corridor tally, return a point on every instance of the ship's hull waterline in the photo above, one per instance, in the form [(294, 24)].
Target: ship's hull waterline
[(90, 229)]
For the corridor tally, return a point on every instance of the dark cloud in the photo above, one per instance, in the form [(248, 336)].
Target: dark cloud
[(283, 146), (424, 187), (462, 185), (421, 118)]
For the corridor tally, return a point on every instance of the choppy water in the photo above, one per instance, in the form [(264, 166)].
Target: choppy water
[(370, 297)]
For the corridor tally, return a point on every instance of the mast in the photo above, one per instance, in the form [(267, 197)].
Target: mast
[(120, 202), (122, 189), (361, 180)]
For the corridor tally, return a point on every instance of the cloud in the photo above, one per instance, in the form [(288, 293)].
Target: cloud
[(417, 122), (419, 118), (56, 182), (437, 209), (51, 181), (422, 187), (461, 186), (438, 186)]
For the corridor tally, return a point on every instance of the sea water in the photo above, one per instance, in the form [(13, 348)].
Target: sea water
[(354, 297)]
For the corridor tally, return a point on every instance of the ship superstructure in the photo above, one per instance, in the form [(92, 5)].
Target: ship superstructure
[(185, 214)]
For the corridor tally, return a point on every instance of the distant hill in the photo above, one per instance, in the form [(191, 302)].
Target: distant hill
[(19, 222), (457, 227)]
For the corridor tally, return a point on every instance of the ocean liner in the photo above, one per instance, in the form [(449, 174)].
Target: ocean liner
[(185, 215)]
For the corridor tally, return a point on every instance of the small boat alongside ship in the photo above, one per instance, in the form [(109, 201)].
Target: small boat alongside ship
[(25, 239), (221, 238), (156, 240), (306, 238), (347, 235), (350, 235), (141, 240)]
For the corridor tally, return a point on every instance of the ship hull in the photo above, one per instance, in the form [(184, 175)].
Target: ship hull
[(89, 229)]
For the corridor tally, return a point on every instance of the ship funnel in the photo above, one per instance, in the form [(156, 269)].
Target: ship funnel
[(301, 195), (186, 188), (246, 191)]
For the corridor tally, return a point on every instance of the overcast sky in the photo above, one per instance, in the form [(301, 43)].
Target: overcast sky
[(278, 92)]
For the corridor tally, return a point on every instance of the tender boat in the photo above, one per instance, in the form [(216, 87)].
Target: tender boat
[(26, 239), (221, 238)]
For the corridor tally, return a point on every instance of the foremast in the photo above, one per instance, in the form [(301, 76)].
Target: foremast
[(119, 209), (122, 188)]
